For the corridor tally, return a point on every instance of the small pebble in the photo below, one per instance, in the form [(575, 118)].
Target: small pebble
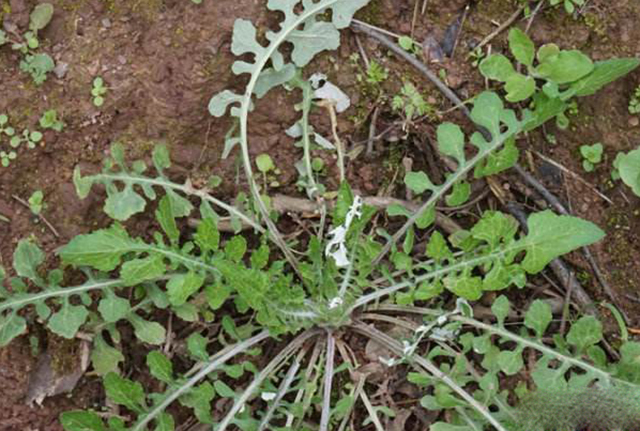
[(106, 23), (122, 59), (634, 121), (61, 69)]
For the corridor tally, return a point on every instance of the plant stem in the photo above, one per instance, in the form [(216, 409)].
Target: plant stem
[(328, 382), (217, 360), (427, 366), (266, 371)]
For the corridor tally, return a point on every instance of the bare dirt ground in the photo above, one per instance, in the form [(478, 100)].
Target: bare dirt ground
[(163, 59)]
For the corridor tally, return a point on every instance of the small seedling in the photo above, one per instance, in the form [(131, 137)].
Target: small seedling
[(37, 65), (634, 102), (476, 56), (265, 165), (376, 73), (7, 157), (28, 137), (411, 103), (592, 155), (569, 5), (36, 204), (615, 171), (317, 164), (409, 45), (49, 120), (98, 91), (4, 126)]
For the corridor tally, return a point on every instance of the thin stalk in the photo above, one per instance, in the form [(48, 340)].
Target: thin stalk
[(434, 274), (283, 389), (184, 188), (260, 64), (534, 345), (58, 293), (328, 382), (266, 371), (443, 189), (317, 348), (427, 366), (372, 413), (305, 86), (217, 360), (356, 394)]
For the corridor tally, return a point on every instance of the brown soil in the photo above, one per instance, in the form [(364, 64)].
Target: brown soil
[(163, 59)]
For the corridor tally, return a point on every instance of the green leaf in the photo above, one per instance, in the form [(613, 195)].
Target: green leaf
[(418, 182), (264, 163), (199, 399), (465, 286), (105, 359), (165, 214), (147, 332), (510, 362), (603, 73), (565, 67), (27, 258), (451, 141), (584, 333), (11, 326), (124, 392), (101, 249), (160, 366), (459, 195), (181, 286), (270, 78), (164, 422), (315, 37), (551, 235), (136, 271), (521, 46), (500, 309), (68, 320), (207, 236), (161, 158), (629, 168), (236, 248), (113, 308), (40, 16), (538, 317), (121, 205), (223, 389), (519, 87), (219, 103), (197, 346), (78, 420), (83, 185), (437, 247), (497, 67), (546, 51)]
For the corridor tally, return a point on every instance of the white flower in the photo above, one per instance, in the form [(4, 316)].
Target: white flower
[(388, 362), (335, 302), (336, 247), (268, 396)]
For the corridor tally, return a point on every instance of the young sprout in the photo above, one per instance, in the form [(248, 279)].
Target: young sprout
[(98, 91), (36, 204), (592, 155), (265, 165), (4, 127), (28, 137), (6, 157), (49, 120)]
